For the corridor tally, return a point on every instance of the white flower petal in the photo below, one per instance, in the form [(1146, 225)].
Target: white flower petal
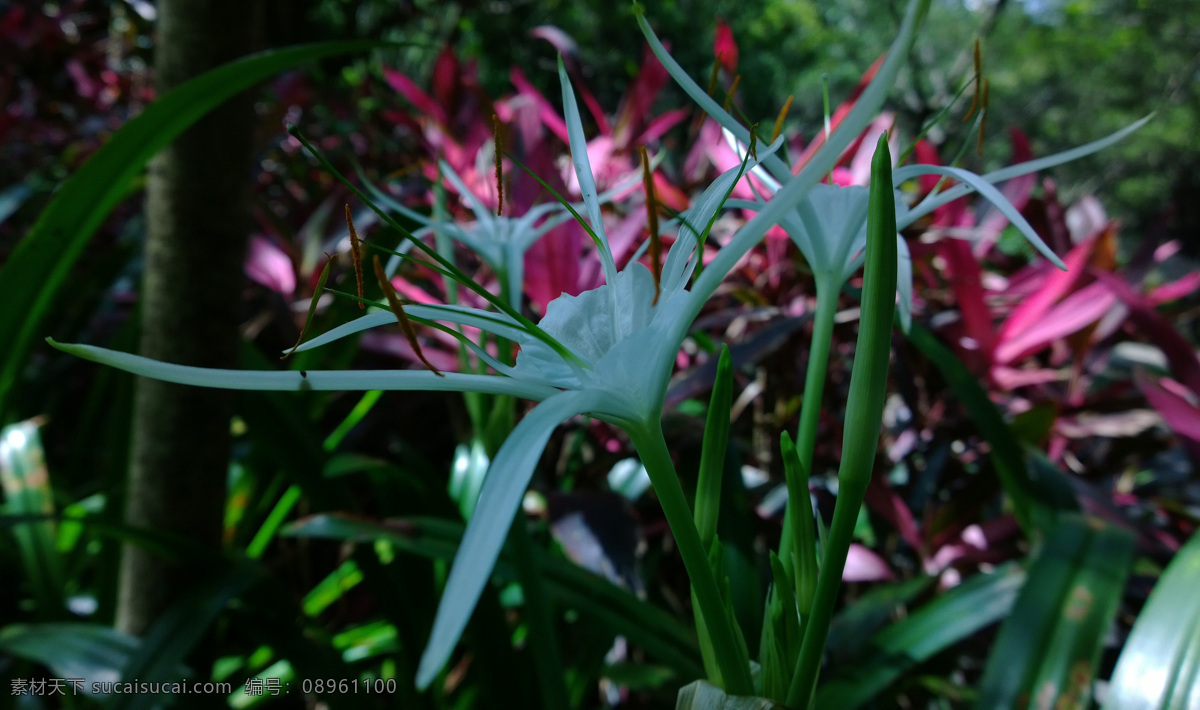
[(499, 501), (294, 380)]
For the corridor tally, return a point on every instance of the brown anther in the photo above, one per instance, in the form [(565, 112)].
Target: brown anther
[(652, 220), (983, 113), (499, 150), (712, 78), (975, 101), (783, 112), (356, 255), (330, 262), (398, 310), (732, 91)]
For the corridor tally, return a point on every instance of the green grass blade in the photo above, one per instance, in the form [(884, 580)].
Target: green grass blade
[(25, 481), (38, 267), (332, 588), (979, 602), (1157, 669), (1048, 647)]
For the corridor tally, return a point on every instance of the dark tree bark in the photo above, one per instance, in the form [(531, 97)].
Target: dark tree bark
[(197, 202)]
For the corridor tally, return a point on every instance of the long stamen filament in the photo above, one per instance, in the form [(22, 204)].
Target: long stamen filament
[(389, 292), (652, 223), (330, 261), (355, 254), (983, 114), (732, 91), (783, 112), (450, 269), (976, 100), (498, 150), (712, 78)]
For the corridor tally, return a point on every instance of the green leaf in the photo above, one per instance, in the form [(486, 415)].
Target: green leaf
[(1048, 648), (657, 632), (1159, 669), (705, 696), (980, 601), (332, 587), (37, 269), (853, 628), (169, 641), (91, 652), (702, 695)]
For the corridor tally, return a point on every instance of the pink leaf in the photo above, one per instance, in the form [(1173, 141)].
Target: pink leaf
[(552, 264), (966, 280), (1181, 415), (1075, 312), (639, 99), (412, 93), (884, 500), (725, 49), (560, 40), (1176, 289), (1055, 286), (268, 265), (661, 125), (1183, 361), (447, 79), (860, 164), (862, 565), (546, 111), (1008, 378)]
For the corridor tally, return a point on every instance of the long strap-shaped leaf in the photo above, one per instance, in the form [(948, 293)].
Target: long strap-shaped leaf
[(1159, 668), (38, 268), (1048, 648)]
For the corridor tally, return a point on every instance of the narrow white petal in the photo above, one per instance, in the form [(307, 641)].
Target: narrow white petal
[(797, 188), (499, 501), (991, 194), (496, 323), (1032, 166), (293, 380), (583, 170)]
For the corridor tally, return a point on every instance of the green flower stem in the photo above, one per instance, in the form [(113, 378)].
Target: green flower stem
[(652, 448), (543, 639), (814, 388), (864, 416)]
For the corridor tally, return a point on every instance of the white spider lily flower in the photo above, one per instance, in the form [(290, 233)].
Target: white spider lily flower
[(830, 225), (620, 346), (500, 240), (827, 223)]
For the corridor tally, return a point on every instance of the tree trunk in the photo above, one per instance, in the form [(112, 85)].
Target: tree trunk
[(197, 210)]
